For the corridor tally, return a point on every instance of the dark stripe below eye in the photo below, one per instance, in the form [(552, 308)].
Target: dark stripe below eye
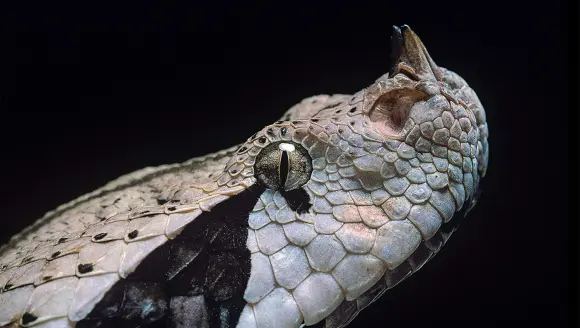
[(195, 280)]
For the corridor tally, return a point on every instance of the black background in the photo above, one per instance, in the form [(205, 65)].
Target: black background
[(91, 92)]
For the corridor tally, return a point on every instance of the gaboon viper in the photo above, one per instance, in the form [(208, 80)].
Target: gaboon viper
[(305, 223)]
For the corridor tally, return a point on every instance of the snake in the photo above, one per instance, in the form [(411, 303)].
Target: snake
[(306, 223)]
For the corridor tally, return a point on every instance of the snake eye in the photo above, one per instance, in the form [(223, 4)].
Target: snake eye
[(283, 166)]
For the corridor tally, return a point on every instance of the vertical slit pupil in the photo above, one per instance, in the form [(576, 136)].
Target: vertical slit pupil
[(284, 165)]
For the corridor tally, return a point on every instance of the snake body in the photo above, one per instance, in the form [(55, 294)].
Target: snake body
[(306, 223)]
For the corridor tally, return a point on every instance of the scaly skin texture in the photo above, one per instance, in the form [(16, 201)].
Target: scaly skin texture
[(390, 165)]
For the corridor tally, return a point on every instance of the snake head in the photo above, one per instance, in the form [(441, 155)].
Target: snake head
[(358, 186)]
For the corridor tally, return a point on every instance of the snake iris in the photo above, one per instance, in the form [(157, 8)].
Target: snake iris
[(304, 224)]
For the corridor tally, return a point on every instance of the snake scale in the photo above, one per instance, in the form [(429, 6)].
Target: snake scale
[(304, 224)]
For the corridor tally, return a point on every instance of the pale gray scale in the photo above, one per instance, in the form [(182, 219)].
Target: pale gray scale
[(333, 153), (379, 196), (52, 300), (395, 242), (413, 136), (444, 202), (349, 184), (26, 274), (334, 177), (290, 266), (321, 205), (369, 180), (261, 281), (454, 144), (324, 252), (357, 273), (252, 243), (423, 145), (278, 309), (331, 168), (396, 186), (467, 165), (103, 258), (326, 224), (402, 166), (426, 218), (374, 216), (346, 213), (60, 267), (458, 192), (319, 148), (317, 297), (344, 146), (372, 147), (418, 193), (319, 163), (147, 227), (271, 210), (416, 175), (267, 196), (427, 130), (466, 150), (438, 123), (344, 160), (438, 180), (361, 197), (356, 237), (271, 238), (285, 214), (469, 184), (382, 151), (339, 197), (455, 173), (299, 233), (397, 208), (309, 142), (405, 151), (439, 151), (333, 186), (12, 302), (388, 170), (108, 231), (425, 157), (258, 219), (42, 251)]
